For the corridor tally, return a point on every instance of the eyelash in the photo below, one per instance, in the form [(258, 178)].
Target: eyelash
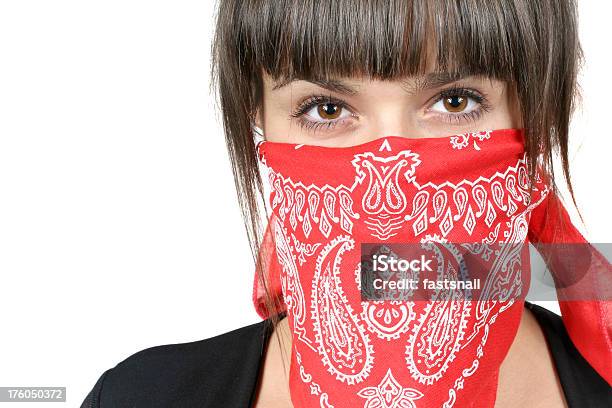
[(474, 115), (315, 100)]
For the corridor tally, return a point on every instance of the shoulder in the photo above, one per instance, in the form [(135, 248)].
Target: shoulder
[(209, 372), (582, 385)]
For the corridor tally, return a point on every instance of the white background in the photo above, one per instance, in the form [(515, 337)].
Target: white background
[(119, 226)]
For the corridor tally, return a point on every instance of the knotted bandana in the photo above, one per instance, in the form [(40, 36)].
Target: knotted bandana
[(455, 195)]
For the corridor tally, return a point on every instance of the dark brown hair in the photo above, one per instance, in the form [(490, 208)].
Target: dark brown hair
[(533, 45)]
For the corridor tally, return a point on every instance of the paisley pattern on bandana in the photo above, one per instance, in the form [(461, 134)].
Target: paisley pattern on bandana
[(450, 194)]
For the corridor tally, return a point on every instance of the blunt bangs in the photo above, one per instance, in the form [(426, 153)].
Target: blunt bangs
[(388, 39)]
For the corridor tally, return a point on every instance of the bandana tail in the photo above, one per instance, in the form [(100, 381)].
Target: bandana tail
[(273, 275), (588, 322)]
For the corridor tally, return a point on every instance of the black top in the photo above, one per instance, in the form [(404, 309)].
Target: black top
[(222, 371)]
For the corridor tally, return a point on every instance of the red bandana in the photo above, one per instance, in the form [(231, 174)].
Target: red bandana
[(468, 191)]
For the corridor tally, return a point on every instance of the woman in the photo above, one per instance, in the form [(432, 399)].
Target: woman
[(346, 94)]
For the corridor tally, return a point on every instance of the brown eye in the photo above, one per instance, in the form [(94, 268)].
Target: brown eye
[(329, 111), (455, 103)]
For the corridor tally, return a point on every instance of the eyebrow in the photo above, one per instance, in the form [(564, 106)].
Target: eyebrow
[(421, 83), (433, 80), (330, 84)]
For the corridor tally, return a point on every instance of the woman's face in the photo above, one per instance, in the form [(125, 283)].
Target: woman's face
[(350, 111)]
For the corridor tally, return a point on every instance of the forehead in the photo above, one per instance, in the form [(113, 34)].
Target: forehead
[(355, 84)]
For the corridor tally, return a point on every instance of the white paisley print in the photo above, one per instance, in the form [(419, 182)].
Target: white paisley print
[(317, 229)]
